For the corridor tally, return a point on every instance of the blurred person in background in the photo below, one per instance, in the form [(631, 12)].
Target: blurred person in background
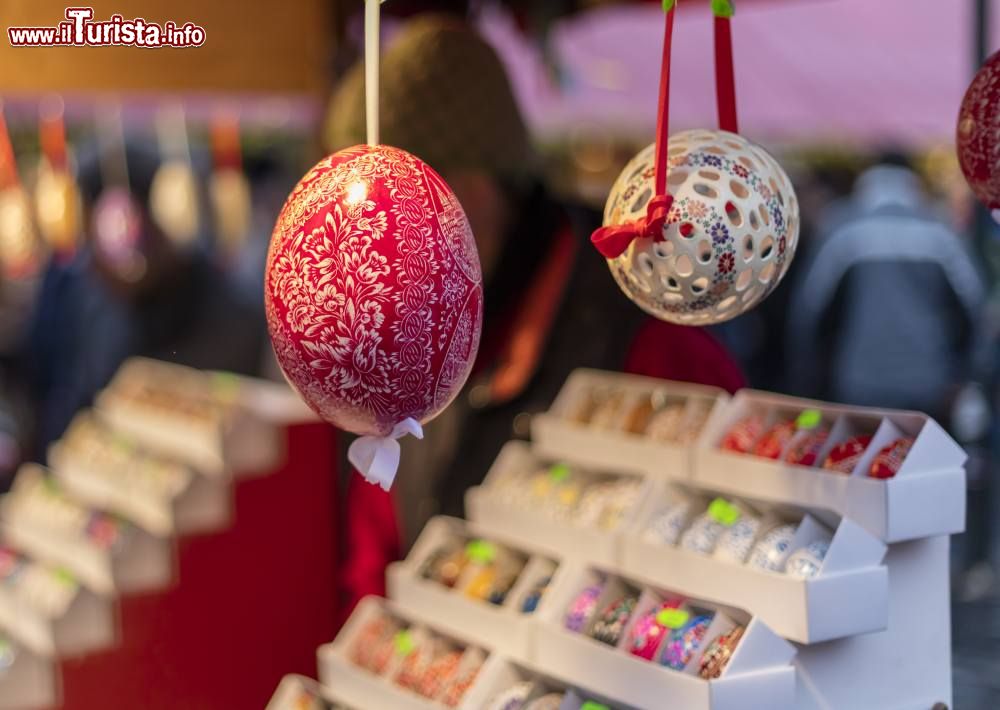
[(159, 299), (550, 304), (886, 309)]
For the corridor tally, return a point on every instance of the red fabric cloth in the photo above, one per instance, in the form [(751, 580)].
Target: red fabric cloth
[(660, 349), (684, 353)]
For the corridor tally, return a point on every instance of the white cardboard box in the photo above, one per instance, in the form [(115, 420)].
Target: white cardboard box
[(504, 628), (138, 562), (925, 498), (500, 673), (849, 596), (532, 529), (52, 615), (759, 675), (361, 688), (31, 682), (234, 438), (201, 504), (557, 436)]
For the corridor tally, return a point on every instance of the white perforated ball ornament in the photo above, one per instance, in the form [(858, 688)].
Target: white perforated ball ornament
[(729, 236)]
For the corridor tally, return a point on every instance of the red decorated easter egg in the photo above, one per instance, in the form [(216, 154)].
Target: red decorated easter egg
[(373, 290), (977, 136)]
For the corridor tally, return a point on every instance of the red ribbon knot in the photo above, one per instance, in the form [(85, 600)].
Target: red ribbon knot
[(612, 241)]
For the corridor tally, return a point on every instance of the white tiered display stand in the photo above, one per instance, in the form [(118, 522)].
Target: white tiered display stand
[(871, 631)]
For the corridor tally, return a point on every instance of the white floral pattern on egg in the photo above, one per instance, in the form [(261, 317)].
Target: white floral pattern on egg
[(667, 526), (805, 562), (703, 535), (772, 550), (737, 540)]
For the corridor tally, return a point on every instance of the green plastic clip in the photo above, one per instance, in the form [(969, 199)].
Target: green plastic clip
[(559, 472), (593, 705), (403, 641), (723, 512), (668, 5), (723, 8), (809, 419), (480, 551), (672, 618)]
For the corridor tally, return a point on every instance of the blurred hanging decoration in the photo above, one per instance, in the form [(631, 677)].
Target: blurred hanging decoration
[(20, 250), (978, 135), (701, 227), (229, 189), (373, 290), (173, 196), (57, 198), (117, 215)]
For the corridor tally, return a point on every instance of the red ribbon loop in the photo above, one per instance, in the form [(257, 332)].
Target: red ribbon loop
[(613, 240)]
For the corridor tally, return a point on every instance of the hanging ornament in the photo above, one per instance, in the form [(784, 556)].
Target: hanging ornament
[(117, 220), (373, 291), (173, 196), (20, 250), (228, 188), (978, 135), (701, 227), (57, 197)]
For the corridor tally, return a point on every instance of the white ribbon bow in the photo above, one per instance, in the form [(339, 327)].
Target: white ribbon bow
[(377, 457)]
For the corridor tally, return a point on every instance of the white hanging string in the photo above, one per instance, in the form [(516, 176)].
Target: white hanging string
[(371, 69)]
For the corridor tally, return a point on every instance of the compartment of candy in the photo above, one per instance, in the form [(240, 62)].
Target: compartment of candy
[(109, 470), (26, 679), (462, 576), (47, 611), (626, 422), (554, 506), (383, 657), (665, 645), (506, 684), (296, 692), (196, 417), (105, 552), (807, 582), (897, 473)]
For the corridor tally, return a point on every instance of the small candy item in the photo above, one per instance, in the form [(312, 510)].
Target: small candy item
[(667, 526), (805, 562), (737, 540), (772, 550), (592, 504), (549, 701), (583, 607), (531, 600), (697, 415), (433, 561), (638, 415), (439, 673), (513, 698), (743, 434), (718, 652), (844, 457), (456, 689), (775, 439), (684, 641), (889, 460), (805, 450), (370, 639), (611, 623), (449, 567), (705, 531), (608, 412), (666, 424), (620, 501), (650, 628)]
